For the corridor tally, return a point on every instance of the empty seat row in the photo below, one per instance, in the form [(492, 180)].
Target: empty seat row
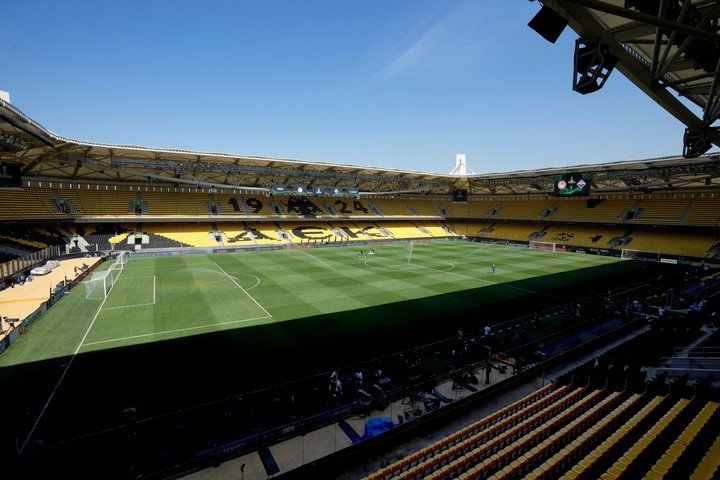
[(570, 423), (493, 442), (508, 444), (423, 454), (672, 454), (570, 452), (708, 466)]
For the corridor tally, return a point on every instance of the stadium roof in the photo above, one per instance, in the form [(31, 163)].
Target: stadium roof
[(48, 156), (670, 49)]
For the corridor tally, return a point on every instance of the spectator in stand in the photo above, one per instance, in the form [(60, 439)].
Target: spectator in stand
[(487, 330), (334, 376), (488, 370), (377, 380), (337, 392)]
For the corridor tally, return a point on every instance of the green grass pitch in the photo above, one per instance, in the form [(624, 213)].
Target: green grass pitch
[(160, 298), (232, 322)]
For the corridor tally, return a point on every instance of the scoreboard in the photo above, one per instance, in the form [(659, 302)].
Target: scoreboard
[(572, 184)]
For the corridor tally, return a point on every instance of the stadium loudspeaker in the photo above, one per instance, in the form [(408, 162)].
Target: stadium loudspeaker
[(593, 65), (548, 23), (695, 141)]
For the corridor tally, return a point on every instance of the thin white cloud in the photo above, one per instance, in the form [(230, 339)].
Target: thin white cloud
[(449, 43)]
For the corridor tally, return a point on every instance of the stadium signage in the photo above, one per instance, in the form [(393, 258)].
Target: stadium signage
[(572, 184)]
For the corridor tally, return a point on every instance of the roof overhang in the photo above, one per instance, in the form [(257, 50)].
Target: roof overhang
[(670, 49)]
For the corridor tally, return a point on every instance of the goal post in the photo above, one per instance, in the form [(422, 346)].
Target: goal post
[(98, 286), (120, 260), (630, 254), (551, 246)]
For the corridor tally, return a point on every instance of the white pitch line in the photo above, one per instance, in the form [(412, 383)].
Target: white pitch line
[(241, 288), (257, 280), (475, 250), (316, 258), (479, 279), (135, 278), (127, 306), (166, 266), (174, 331), (67, 368)]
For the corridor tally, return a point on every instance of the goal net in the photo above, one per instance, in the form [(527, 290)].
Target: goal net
[(629, 254), (98, 286), (551, 246), (120, 261)]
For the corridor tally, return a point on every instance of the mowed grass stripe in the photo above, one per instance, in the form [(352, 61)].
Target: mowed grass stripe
[(188, 296), (191, 292), (388, 277), (305, 283)]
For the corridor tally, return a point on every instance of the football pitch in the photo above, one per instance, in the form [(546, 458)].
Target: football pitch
[(168, 297), (179, 330)]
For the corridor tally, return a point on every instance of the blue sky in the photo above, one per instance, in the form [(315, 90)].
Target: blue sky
[(402, 84)]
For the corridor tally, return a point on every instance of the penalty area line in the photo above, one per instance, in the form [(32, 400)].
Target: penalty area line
[(319, 260), (174, 331), (499, 284)]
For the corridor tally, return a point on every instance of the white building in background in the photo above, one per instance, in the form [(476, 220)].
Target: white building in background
[(461, 168)]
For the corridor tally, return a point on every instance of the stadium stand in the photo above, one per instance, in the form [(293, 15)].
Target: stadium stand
[(661, 211), (704, 211), (484, 208), (31, 238), (424, 208), (695, 244), (27, 204), (236, 234), (574, 222), (268, 233), (98, 236), (525, 209), (176, 204), (594, 209), (500, 230), (187, 234), (388, 207), (583, 235)]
